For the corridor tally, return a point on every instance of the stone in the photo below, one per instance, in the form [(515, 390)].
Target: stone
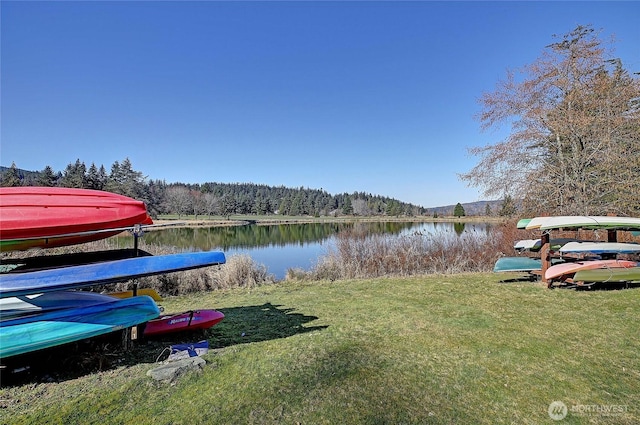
[(171, 371)]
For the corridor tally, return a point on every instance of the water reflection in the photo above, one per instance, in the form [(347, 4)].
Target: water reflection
[(284, 246), (252, 236), (458, 228)]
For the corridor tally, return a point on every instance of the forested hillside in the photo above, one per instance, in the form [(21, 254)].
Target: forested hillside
[(208, 199)]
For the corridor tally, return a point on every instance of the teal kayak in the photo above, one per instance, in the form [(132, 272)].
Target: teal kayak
[(25, 334), (517, 264)]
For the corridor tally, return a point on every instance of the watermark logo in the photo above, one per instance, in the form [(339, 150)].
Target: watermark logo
[(599, 409), (557, 410)]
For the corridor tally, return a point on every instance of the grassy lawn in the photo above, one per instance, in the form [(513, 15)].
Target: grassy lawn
[(437, 349)]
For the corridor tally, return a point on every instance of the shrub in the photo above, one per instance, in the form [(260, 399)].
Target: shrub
[(357, 255)]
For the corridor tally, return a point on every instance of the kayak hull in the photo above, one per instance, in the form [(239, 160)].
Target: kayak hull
[(36, 332), (566, 269), (12, 307), (517, 264), (46, 217), (72, 277), (619, 275), (188, 320)]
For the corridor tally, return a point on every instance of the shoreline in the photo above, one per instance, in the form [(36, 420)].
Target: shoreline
[(274, 221)]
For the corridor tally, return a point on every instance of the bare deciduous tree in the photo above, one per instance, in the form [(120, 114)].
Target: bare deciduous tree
[(574, 147), (178, 200)]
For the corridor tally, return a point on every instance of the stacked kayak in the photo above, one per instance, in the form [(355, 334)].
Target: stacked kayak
[(517, 264), (568, 269), (41, 305), (600, 248), (26, 333), (586, 263), (47, 217), (582, 222), (33, 304), (188, 320), (85, 275), (604, 275)]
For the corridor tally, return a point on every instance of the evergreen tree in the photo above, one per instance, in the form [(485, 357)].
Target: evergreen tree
[(228, 205), (11, 178), (393, 208), (132, 180), (102, 177), (115, 179), (508, 208), (74, 175), (458, 211), (47, 178), (96, 178), (156, 191), (347, 207), (124, 180), (284, 205)]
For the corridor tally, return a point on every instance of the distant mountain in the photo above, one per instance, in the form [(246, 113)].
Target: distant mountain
[(470, 208)]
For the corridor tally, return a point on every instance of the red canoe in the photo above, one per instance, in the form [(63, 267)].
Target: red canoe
[(46, 217), (189, 320)]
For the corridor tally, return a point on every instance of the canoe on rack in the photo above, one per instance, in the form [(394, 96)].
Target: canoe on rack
[(584, 222), (565, 269), (601, 248), (517, 264), (631, 274), (46, 217)]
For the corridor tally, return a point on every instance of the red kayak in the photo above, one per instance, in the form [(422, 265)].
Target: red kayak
[(46, 217), (189, 320)]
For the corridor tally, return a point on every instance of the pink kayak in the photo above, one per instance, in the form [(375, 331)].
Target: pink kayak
[(188, 320), (563, 269)]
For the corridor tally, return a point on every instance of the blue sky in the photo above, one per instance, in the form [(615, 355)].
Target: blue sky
[(375, 97)]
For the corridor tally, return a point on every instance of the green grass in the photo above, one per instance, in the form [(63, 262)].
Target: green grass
[(437, 349)]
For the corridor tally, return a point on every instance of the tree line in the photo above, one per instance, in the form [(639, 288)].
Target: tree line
[(210, 199)]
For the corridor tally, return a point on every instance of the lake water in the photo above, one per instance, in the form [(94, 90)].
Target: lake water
[(284, 246)]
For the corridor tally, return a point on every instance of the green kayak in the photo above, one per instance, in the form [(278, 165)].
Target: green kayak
[(631, 274), (523, 223)]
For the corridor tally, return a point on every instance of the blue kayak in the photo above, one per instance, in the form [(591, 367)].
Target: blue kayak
[(25, 334), (17, 284), (12, 307)]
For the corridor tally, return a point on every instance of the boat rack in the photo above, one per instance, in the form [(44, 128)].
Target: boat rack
[(547, 255)]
